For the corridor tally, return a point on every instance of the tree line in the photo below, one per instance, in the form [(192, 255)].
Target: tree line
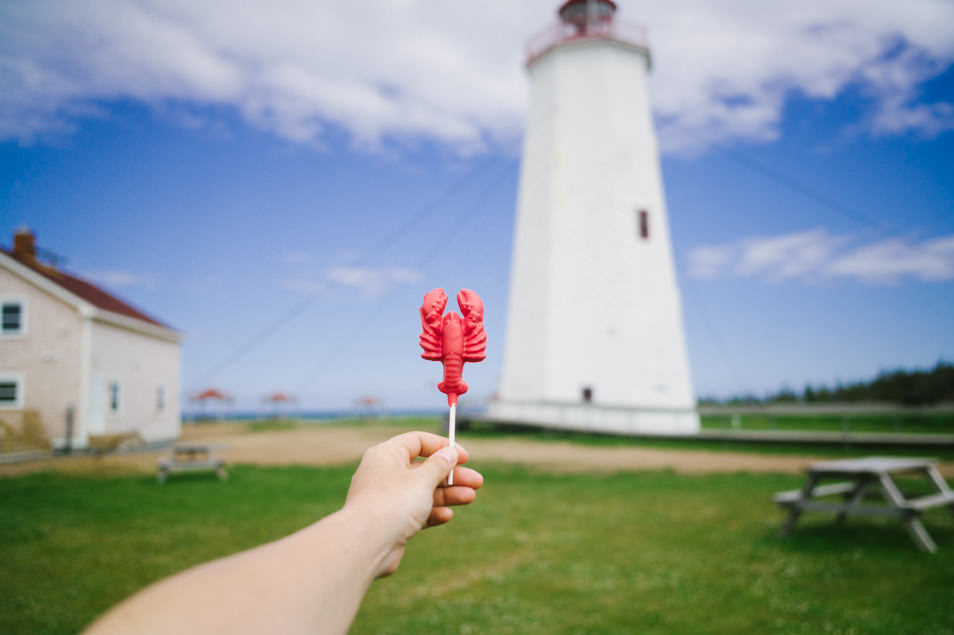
[(909, 388)]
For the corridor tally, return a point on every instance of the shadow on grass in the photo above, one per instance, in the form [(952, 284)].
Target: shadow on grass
[(185, 478), (866, 535)]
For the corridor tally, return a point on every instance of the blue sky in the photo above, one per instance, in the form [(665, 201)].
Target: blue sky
[(284, 184)]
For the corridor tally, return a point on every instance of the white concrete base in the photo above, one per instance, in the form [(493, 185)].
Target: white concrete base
[(59, 443), (596, 418)]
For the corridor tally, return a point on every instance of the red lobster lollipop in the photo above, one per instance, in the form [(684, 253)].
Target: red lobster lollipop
[(453, 340)]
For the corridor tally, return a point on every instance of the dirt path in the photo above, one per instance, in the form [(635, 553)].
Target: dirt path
[(335, 445)]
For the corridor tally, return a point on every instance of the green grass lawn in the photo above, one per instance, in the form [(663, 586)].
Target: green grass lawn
[(902, 423), (487, 431), (538, 553)]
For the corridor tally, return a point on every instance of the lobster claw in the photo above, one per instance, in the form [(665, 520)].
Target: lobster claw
[(475, 342), (471, 307), (432, 310)]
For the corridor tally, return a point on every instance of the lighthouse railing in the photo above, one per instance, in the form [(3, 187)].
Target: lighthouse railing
[(560, 32)]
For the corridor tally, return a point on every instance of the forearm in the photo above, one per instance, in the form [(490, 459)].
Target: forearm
[(314, 580), (310, 582)]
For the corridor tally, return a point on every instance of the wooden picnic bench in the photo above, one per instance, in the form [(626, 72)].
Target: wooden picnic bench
[(872, 474), (191, 457)]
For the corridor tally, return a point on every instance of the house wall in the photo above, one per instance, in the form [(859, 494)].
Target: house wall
[(140, 364), (47, 356)]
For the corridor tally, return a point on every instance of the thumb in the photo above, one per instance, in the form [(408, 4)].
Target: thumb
[(438, 465)]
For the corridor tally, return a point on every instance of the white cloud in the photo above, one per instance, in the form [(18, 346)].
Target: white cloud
[(116, 279), (710, 262), (371, 282), (725, 69), (353, 276), (409, 69), (891, 260), (896, 80), (789, 256), (815, 255)]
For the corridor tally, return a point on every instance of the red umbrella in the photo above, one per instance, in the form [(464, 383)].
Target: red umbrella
[(367, 404), (368, 401), (277, 398), (211, 393)]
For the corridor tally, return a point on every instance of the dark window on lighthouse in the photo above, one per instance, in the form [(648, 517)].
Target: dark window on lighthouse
[(587, 394), (642, 220)]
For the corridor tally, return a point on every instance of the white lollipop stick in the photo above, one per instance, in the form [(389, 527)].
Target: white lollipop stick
[(451, 424)]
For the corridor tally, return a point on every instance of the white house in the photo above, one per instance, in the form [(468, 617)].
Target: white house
[(85, 361)]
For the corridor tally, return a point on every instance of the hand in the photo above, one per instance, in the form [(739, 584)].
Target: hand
[(313, 580), (400, 496)]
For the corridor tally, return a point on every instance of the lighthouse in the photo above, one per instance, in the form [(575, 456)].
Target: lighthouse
[(594, 337)]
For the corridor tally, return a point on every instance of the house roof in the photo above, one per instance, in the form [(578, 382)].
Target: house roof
[(86, 290)]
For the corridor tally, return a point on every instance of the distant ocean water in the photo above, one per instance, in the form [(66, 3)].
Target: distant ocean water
[(189, 415)]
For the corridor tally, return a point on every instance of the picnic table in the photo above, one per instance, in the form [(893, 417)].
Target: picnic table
[(191, 457), (874, 474)]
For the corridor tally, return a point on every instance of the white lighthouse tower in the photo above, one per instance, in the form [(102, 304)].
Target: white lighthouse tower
[(594, 328)]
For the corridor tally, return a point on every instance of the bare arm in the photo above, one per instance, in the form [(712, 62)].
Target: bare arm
[(312, 581)]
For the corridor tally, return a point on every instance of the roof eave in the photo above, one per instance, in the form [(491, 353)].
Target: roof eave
[(139, 326), (45, 284), (86, 309)]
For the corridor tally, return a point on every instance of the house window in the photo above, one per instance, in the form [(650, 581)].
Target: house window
[(587, 394), (12, 317), (160, 399), (113, 397), (643, 222), (11, 392)]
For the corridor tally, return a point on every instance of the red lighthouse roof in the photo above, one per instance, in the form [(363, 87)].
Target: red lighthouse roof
[(587, 20), (570, 6), (586, 15)]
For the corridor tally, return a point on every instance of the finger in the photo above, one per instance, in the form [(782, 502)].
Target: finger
[(439, 516), (424, 444), (462, 455), (436, 468), (454, 495), (468, 477), (418, 443)]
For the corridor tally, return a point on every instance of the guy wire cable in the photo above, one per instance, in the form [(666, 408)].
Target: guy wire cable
[(259, 336), (808, 192), (468, 214)]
